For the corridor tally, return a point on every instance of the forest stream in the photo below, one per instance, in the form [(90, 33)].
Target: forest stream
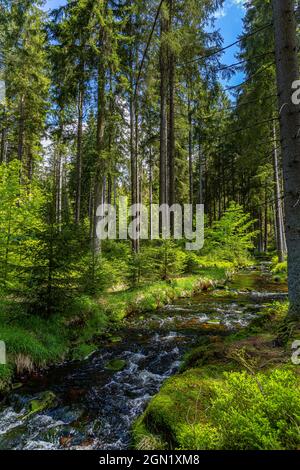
[(93, 406)]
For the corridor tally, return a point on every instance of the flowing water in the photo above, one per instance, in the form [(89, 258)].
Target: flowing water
[(95, 407)]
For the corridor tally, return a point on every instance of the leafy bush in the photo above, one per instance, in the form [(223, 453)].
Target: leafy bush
[(249, 412), (231, 237), (280, 268)]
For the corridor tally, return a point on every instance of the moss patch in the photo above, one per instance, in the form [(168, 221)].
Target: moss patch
[(45, 401), (116, 365), (188, 411)]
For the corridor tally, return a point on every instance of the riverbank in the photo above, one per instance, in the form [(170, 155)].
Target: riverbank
[(241, 392), (34, 342)]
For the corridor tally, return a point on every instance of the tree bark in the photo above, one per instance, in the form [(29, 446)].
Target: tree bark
[(3, 138), (133, 141), (21, 129), (171, 123), (100, 164), (287, 67), (278, 206), (266, 237), (163, 112), (201, 173), (79, 148), (191, 175)]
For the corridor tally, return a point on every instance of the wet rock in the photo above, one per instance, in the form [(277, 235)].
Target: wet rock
[(116, 365), (76, 393), (45, 401), (16, 386), (65, 441), (87, 443), (268, 295), (116, 339)]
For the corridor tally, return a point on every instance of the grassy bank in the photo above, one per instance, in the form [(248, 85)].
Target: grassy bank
[(241, 393), (34, 342)]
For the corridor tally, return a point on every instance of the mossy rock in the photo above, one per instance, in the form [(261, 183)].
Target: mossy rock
[(116, 365), (116, 339), (16, 386), (45, 401)]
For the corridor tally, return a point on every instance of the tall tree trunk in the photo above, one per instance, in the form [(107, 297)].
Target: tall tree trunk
[(260, 236), (287, 67), (58, 171), (3, 144), (163, 112), (133, 140), (150, 189), (171, 123), (191, 175), (21, 129), (30, 164), (266, 237), (79, 148), (100, 163), (279, 223), (115, 191), (110, 137), (201, 172)]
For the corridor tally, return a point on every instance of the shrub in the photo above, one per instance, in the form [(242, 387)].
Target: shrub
[(250, 412), (279, 268), (231, 237)]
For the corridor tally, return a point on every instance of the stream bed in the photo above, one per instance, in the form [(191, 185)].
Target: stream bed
[(94, 407)]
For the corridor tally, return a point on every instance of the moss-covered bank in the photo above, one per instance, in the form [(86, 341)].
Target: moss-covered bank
[(34, 342), (238, 393)]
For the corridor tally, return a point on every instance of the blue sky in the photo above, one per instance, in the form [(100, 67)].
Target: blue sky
[(229, 21), (230, 24)]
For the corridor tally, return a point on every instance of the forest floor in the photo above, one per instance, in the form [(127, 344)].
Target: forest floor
[(197, 408), (33, 342)]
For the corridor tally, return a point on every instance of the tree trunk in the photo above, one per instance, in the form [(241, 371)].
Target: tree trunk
[(278, 206), (260, 236), (21, 129), (3, 144), (171, 123), (150, 189), (266, 238), (201, 173), (59, 178), (79, 149), (133, 144), (287, 72), (163, 112), (191, 175), (100, 164)]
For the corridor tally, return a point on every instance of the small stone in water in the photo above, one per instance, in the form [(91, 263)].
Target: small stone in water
[(116, 365), (116, 339)]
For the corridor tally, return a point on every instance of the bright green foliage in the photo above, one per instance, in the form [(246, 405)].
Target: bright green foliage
[(20, 219), (261, 412), (116, 365), (280, 268), (23, 45), (232, 236), (202, 409), (45, 401)]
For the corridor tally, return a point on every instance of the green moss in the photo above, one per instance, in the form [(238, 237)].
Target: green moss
[(6, 373), (201, 409), (241, 393), (83, 351), (116, 365), (173, 407), (45, 401), (143, 439), (115, 339)]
